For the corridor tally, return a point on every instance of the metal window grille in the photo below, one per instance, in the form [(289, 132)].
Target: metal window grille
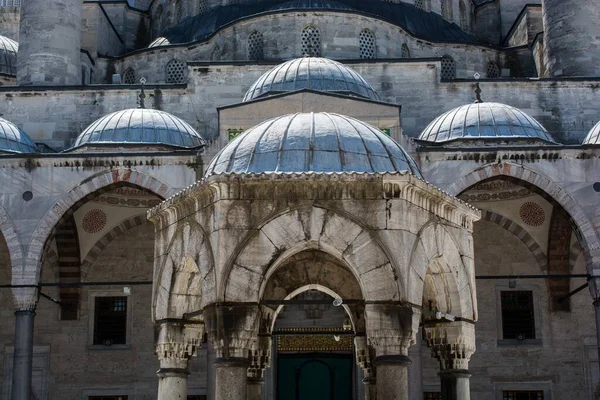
[(202, 6), (368, 49), (129, 76), (446, 9), (492, 70), (176, 71), (311, 41), (432, 396), (10, 3), (405, 51), (463, 15), (110, 320), (448, 68), (420, 4), (179, 10), (255, 46), (517, 315), (523, 395)]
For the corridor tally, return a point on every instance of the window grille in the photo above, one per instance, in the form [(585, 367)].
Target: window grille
[(202, 6), (176, 71), (492, 70), (110, 320), (420, 4), (10, 3), (448, 68), (107, 397), (129, 76), (368, 48), (517, 315), (432, 396), (463, 15), (405, 51), (311, 41), (255, 46), (446, 9), (179, 10), (522, 395)]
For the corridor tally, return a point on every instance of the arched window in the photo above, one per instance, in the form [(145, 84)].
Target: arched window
[(83, 76), (311, 41), (448, 68), (216, 54), (158, 20), (368, 49), (462, 9), (405, 51), (202, 6), (255, 46), (492, 70), (178, 11), (129, 76), (176, 71)]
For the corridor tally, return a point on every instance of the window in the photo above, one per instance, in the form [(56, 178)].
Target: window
[(448, 68), (158, 20), (492, 70), (447, 9), (129, 76), (69, 306), (405, 51), (107, 397), (216, 53), (179, 10), (463, 15), (517, 315), (420, 4), (176, 71), (255, 46), (432, 396), (311, 41), (367, 44), (202, 6), (110, 320), (10, 3), (83, 76), (522, 395)]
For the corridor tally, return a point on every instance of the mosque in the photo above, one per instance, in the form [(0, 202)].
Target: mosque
[(299, 199)]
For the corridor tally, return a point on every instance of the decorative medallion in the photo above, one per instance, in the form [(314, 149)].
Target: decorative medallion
[(532, 214), (94, 221)]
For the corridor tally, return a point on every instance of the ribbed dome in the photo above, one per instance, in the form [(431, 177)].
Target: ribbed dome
[(140, 126), (161, 41), (593, 137), (14, 140), (311, 5), (8, 56), (314, 73), (484, 121), (312, 142)]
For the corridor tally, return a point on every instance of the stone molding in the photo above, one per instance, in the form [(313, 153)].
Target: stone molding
[(364, 357), (260, 358), (232, 329), (452, 343), (392, 328), (177, 343)]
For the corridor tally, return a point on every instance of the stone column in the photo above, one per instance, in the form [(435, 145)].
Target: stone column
[(177, 343), (594, 287), (23, 355), (391, 330), (453, 344), (364, 357), (260, 359)]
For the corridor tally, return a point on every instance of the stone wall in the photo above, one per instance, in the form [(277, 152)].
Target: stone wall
[(509, 10), (487, 27), (528, 26), (9, 22)]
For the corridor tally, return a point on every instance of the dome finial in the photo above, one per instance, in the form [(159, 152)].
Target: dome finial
[(477, 88), (142, 95)]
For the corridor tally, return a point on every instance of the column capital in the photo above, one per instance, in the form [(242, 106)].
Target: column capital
[(452, 343), (177, 343), (392, 328), (259, 358), (232, 329)]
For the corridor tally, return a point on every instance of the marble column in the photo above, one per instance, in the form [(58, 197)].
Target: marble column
[(177, 343), (453, 344), (392, 377), (230, 378), (23, 355)]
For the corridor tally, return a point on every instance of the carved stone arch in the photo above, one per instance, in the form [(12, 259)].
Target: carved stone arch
[(546, 188), (266, 248), (442, 273), (13, 243), (185, 280)]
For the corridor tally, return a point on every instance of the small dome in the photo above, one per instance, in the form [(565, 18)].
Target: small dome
[(312, 142), (140, 126), (311, 5), (314, 73), (8, 56), (479, 121), (14, 140), (593, 137), (161, 41)]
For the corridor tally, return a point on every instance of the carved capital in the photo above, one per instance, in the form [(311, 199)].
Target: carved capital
[(452, 343), (260, 358), (391, 328), (177, 343), (364, 357), (232, 329)]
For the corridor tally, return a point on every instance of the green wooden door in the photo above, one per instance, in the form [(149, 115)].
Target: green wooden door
[(314, 377)]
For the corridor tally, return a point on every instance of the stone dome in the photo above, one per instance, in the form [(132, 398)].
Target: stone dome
[(316, 73), (480, 121), (161, 41), (140, 126), (312, 143), (312, 5), (593, 137), (14, 140), (8, 56)]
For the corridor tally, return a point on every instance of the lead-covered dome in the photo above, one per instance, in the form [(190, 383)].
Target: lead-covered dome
[(312, 143), (14, 140), (593, 137), (8, 56), (312, 5), (480, 121), (315, 73), (140, 127)]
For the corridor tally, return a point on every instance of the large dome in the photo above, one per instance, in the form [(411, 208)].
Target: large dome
[(593, 137), (311, 5), (485, 121), (8, 56), (14, 140), (314, 73), (312, 142), (141, 127)]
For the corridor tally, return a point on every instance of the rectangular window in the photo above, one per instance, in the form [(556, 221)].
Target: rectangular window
[(517, 315), (69, 304), (522, 395), (432, 396), (110, 321), (107, 397)]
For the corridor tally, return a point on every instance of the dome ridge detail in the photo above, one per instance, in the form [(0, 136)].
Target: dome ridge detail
[(14, 140), (593, 136)]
